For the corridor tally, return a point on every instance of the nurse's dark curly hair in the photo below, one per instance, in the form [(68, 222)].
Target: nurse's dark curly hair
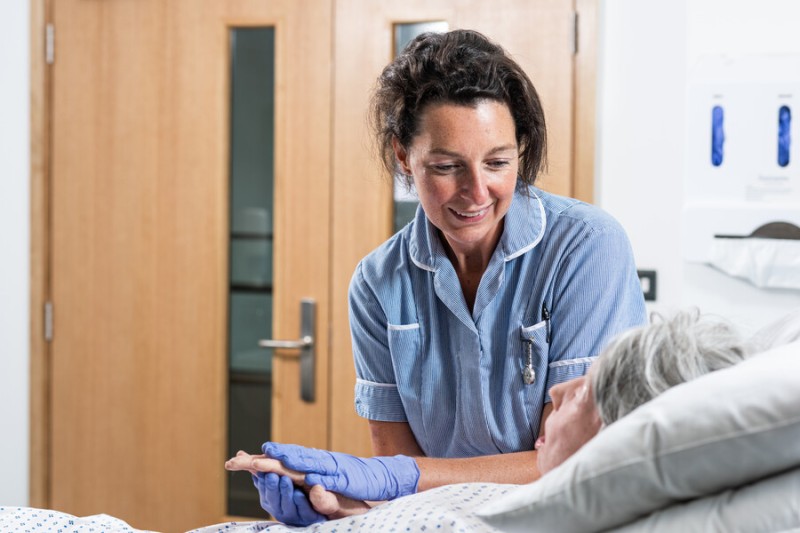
[(461, 67)]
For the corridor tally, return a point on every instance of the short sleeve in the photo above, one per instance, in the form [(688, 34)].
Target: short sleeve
[(596, 296), (376, 393)]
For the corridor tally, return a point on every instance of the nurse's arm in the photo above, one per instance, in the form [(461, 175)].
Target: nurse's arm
[(392, 438)]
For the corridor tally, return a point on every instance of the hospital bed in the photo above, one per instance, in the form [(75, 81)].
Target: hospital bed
[(721, 453)]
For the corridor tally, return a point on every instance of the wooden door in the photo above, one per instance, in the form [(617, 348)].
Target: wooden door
[(139, 257), (539, 35)]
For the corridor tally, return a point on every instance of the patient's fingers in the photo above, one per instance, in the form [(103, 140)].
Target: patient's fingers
[(240, 458), (335, 505), (262, 463), (324, 502), (242, 461)]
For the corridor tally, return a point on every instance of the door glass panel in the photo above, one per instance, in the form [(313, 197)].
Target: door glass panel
[(405, 199), (250, 296)]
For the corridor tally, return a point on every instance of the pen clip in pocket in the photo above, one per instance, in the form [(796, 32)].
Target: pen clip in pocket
[(534, 350)]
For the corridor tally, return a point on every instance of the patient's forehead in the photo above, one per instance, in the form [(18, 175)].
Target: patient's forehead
[(583, 388), (581, 392), (590, 374), (578, 390), (584, 391)]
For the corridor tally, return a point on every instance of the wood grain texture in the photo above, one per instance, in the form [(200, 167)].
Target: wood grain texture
[(585, 100), (139, 214), (39, 260)]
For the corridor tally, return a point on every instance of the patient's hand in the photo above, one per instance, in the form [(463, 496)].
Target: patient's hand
[(330, 504)]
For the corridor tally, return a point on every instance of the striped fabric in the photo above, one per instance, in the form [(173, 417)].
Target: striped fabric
[(456, 377)]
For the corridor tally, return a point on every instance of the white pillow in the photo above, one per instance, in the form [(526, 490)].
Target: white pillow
[(782, 331), (720, 431), (772, 504)]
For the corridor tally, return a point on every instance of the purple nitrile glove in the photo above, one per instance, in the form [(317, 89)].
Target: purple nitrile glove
[(280, 498), (374, 478)]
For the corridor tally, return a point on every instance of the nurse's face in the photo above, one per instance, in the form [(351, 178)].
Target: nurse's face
[(571, 424), (464, 162)]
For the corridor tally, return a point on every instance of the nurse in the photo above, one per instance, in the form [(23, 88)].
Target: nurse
[(496, 292)]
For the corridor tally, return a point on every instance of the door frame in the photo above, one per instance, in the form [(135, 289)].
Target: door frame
[(585, 67), (39, 411)]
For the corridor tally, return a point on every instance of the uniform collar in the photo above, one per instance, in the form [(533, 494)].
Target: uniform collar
[(525, 224)]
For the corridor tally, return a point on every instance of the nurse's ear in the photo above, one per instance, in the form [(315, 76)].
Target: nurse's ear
[(401, 154)]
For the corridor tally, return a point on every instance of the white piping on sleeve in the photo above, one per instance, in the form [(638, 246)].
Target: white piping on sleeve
[(570, 362), (374, 384)]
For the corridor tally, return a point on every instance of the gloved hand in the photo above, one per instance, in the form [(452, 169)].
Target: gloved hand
[(376, 478), (287, 503)]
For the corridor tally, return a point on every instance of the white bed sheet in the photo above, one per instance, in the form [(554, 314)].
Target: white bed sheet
[(448, 509), (25, 519)]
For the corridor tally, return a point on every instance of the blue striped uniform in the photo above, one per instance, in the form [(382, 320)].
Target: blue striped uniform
[(456, 377)]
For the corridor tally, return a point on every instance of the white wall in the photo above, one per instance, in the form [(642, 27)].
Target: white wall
[(739, 28), (647, 49), (641, 100), (14, 239)]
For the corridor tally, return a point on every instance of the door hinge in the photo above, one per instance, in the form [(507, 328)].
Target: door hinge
[(48, 321), (574, 32), (49, 44)]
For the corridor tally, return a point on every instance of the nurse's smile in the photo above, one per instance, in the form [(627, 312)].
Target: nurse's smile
[(464, 163), (472, 217)]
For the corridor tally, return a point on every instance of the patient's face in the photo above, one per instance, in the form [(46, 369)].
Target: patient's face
[(572, 423)]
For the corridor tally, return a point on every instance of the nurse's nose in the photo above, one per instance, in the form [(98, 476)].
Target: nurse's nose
[(474, 186)]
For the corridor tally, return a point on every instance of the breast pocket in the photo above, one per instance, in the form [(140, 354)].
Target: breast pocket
[(532, 362), (534, 352), (405, 343)]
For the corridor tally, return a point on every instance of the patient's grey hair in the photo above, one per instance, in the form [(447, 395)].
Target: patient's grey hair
[(642, 363)]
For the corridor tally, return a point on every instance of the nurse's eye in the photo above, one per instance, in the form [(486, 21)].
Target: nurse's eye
[(499, 164), (445, 168)]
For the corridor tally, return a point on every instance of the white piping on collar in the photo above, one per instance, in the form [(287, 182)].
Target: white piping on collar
[(518, 253), (423, 266), (538, 238)]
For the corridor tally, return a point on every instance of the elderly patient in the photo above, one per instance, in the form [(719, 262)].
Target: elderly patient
[(635, 367)]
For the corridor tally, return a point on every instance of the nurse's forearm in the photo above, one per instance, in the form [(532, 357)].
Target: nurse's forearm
[(517, 468), (391, 438)]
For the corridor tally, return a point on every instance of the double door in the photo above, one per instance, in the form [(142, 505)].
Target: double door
[(154, 245)]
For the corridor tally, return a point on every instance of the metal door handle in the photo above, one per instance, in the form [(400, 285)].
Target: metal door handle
[(302, 343), (306, 346)]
